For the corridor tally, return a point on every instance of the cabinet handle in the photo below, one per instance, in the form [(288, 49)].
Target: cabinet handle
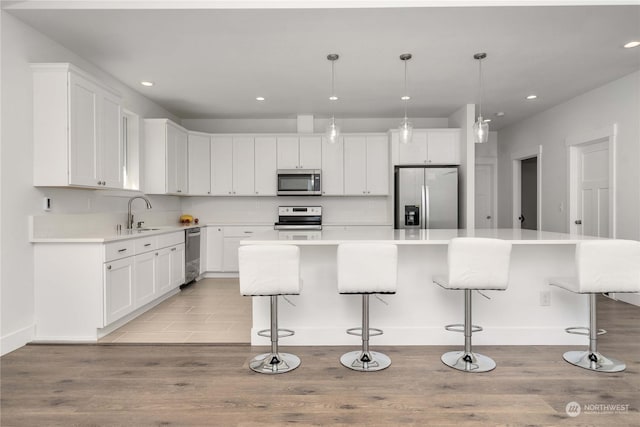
[(122, 250), (173, 249), (229, 192), (179, 191), (208, 192), (148, 244), (156, 253), (248, 232), (108, 267)]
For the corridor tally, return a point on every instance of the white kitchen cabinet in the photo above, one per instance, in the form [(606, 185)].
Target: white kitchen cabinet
[(333, 167), (265, 166), (304, 152), (145, 278), (162, 270), (215, 248), (221, 165), (430, 146), (243, 166), (77, 129), (366, 165), (166, 157), (118, 289), (176, 259), (199, 164)]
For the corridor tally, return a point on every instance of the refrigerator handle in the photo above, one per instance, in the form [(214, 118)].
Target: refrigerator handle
[(426, 206), (423, 207)]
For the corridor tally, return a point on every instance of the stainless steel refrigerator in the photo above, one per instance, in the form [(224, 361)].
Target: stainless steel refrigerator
[(426, 197)]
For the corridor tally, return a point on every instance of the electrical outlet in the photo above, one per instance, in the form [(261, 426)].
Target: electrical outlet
[(545, 298)]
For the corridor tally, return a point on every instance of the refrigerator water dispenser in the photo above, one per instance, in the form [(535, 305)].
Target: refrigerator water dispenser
[(411, 216)]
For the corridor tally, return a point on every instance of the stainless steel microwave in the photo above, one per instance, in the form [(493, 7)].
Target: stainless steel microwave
[(299, 182)]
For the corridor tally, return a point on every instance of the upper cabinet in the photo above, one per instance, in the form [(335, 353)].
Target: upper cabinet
[(166, 154), (199, 164), (430, 146), (332, 167), (77, 129), (299, 152), (366, 165)]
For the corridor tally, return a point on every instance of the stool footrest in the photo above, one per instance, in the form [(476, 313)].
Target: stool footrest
[(459, 327), (282, 333), (577, 330), (373, 332)]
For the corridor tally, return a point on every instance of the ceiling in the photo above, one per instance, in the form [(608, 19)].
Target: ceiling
[(213, 63)]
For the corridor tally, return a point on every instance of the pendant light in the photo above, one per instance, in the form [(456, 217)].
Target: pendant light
[(480, 127), (406, 128), (333, 130)]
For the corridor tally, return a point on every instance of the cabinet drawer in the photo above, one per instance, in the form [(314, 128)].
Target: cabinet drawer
[(145, 244), (117, 250), (243, 231), (170, 239)]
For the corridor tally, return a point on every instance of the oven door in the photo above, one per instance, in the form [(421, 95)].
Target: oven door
[(299, 182)]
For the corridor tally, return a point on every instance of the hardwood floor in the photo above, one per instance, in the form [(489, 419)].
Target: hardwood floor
[(202, 385)]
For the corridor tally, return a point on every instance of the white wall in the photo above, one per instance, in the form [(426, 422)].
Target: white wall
[(20, 46), (463, 119), (617, 102), (290, 125)]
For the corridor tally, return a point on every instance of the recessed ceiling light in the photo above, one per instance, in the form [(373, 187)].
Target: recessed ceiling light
[(259, 98), (146, 83), (532, 96), (632, 44), (500, 114), (405, 98), (333, 98)]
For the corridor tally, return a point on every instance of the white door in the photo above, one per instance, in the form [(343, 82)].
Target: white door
[(144, 269), (593, 190), (163, 271), (355, 165), (243, 166), (221, 165), (265, 166), (111, 148), (414, 152), (484, 196), (83, 133), (118, 289), (199, 164), (332, 167), (310, 152), (377, 165), (177, 266), (287, 152)]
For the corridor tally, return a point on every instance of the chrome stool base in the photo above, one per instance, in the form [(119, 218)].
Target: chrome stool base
[(365, 361), (468, 362), (274, 363), (594, 361)]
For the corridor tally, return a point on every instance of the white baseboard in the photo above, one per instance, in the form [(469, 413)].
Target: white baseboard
[(214, 275), (15, 340)]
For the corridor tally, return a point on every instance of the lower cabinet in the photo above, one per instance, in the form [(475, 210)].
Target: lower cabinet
[(223, 243), (118, 288)]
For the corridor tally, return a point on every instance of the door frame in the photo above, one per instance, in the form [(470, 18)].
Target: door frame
[(516, 166), (493, 162), (573, 143)]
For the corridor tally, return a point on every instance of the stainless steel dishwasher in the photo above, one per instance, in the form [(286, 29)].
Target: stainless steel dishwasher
[(192, 254)]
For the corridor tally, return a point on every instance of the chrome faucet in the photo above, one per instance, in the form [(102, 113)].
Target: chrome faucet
[(130, 215)]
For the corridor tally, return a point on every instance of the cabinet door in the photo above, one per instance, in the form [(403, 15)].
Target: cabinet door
[(443, 146), (83, 132), (199, 164), (145, 285), (230, 258), (177, 265), (163, 271), (243, 166), (355, 165), (377, 165), (310, 152), (221, 165), (333, 167), (414, 152), (215, 248), (266, 164), (118, 289), (176, 160), (287, 149), (111, 158)]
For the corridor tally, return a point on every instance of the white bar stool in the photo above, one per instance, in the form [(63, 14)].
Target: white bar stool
[(271, 270), (480, 264), (366, 268), (601, 266)]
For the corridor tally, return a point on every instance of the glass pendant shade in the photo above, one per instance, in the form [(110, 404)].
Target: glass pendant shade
[(406, 131), (480, 131), (333, 131)]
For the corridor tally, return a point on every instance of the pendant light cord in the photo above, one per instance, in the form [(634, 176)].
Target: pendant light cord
[(405, 89), (480, 85)]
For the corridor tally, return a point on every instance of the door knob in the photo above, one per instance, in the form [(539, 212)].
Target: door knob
[(578, 222), (488, 216), (521, 218)]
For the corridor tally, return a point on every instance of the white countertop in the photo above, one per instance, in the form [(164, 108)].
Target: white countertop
[(66, 236), (409, 237)]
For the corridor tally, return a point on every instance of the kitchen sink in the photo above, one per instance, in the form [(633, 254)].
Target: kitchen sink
[(140, 230)]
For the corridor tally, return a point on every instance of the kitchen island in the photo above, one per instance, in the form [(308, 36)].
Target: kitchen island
[(529, 312)]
